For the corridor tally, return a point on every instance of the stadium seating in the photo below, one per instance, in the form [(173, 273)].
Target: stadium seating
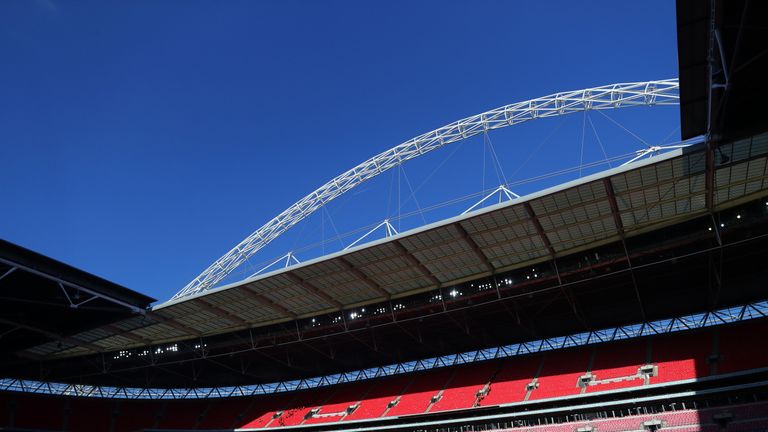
[(298, 410), (40, 412), (462, 391), (224, 412), (377, 399), (509, 384), (133, 415), (735, 354), (180, 414), (533, 377), (91, 414), (681, 358), (5, 408), (262, 411), (617, 362), (418, 396), (560, 374), (335, 408)]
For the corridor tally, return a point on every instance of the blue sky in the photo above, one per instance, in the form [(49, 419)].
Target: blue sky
[(141, 140)]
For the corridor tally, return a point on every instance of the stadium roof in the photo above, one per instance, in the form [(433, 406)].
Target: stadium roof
[(723, 64), (45, 300), (558, 221)]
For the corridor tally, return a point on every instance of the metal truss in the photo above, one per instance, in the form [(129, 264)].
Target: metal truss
[(63, 284), (664, 92), (664, 326)]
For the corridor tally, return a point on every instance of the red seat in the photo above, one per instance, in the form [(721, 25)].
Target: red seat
[(418, 396), (383, 392), (463, 388), (618, 361), (509, 384), (560, 374), (681, 357)]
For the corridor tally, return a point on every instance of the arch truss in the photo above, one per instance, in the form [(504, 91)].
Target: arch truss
[(664, 92)]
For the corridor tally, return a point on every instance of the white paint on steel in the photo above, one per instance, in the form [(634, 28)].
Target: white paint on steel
[(664, 92)]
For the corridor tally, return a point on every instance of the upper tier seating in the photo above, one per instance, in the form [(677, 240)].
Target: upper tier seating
[(617, 366), (91, 414), (462, 391), (736, 354), (560, 374), (262, 411), (133, 415), (223, 412), (509, 384), (180, 414), (418, 397), (336, 407), (679, 358), (534, 377), (381, 394)]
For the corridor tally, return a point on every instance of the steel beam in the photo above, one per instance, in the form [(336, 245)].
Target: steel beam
[(52, 335), (620, 230), (539, 229), (314, 290), (156, 316), (475, 248), (220, 312), (363, 278), (413, 261), (117, 331), (268, 303)]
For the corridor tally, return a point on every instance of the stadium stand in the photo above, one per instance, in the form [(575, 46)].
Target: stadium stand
[(134, 415), (90, 414), (617, 366), (301, 406), (180, 414), (381, 394), (224, 413), (465, 388), (344, 400), (735, 355), (709, 257), (735, 417), (263, 411), (510, 383), (421, 393), (680, 357)]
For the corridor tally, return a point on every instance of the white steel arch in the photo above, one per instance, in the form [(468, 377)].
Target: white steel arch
[(664, 92)]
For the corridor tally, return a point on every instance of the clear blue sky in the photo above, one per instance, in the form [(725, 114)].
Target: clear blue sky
[(140, 140)]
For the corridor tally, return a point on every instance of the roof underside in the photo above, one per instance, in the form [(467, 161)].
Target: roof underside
[(555, 223), (723, 65), (46, 301)]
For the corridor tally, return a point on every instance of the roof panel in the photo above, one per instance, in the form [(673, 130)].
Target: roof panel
[(575, 214)]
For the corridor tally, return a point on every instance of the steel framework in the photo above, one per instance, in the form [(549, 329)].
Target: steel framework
[(664, 92), (664, 326)]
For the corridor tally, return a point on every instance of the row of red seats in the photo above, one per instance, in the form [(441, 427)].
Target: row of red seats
[(551, 375), (747, 417), (94, 415), (535, 377)]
